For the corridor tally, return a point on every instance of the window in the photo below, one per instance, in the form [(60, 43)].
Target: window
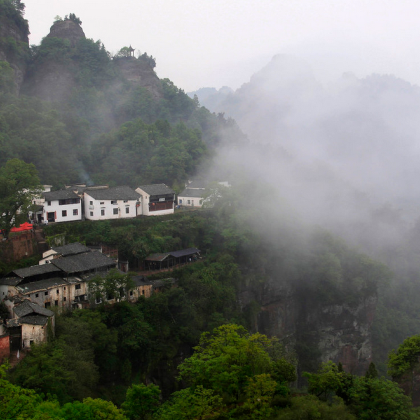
[(115, 211), (113, 201), (180, 201), (36, 294), (127, 210), (91, 203), (189, 201), (131, 293), (56, 302), (64, 287), (64, 213), (142, 292), (75, 212), (65, 299), (102, 212), (46, 293), (49, 203), (102, 202), (47, 304), (58, 292), (78, 287), (125, 201), (98, 300), (91, 213)]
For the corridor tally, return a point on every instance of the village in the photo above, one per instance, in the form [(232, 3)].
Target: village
[(62, 280)]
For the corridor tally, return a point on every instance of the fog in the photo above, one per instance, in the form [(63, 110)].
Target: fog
[(223, 42), (344, 156)]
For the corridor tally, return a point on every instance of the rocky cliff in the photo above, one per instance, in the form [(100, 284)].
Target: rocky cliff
[(14, 48), (140, 73), (317, 332), (67, 29)]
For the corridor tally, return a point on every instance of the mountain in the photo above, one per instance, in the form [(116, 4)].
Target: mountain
[(93, 113)]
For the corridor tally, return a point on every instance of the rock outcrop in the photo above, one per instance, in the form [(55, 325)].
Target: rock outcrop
[(140, 73), (67, 29), (14, 45), (317, 332)]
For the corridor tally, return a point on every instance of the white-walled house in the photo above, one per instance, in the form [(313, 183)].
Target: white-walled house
[(62, 206), (111, 203), (191, 197), (156, 200)]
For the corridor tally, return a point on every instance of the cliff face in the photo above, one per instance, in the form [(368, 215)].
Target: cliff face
[(52, 78), (317, 332), (140, 73), (67, 29), (14, 46)]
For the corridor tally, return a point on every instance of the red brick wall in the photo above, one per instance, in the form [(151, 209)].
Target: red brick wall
[(4, 347), (18, 247)]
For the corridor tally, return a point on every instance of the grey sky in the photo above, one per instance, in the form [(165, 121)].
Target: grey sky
[(223, 42)]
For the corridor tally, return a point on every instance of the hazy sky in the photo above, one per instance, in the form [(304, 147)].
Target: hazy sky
[(223, 42)]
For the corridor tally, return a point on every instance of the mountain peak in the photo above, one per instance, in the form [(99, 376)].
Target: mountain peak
[(67, 29)]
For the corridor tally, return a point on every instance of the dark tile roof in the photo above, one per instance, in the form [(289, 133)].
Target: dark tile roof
[(71, 249), (141, 281), (156, 189), (192, 193), (116, 193), (41, 285), (163, 282), (10, 281), (59, 195), (157, 257), (176, 254), (10, 323), (83, 262), (197, 183), (35, 270), (28, 308), (34, 320), (184, 252)]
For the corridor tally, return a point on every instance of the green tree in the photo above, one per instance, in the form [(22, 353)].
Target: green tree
[(191, 404), (141, 401), (15, 402), (405, 357), (114, 285), (371, 372), (259, 393), (19, 183), (224, 360)]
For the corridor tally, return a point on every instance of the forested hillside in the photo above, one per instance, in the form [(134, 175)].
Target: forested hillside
[(82, 115), (306, 277)]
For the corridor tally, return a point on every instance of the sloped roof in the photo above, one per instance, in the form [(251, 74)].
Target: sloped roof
[(59, 195), (34, 320), (71, 249), (141, 280), (184, 252), (41, 285), (157, 257), (197, 183), (10, 281), (193, 193), (156, 189), (83, 262), (176, 254), (29, 308), (35, 270), (115, 193)]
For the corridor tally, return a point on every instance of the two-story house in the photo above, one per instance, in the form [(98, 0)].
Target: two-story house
[(111, 203), (62, 206), (156, 200)]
